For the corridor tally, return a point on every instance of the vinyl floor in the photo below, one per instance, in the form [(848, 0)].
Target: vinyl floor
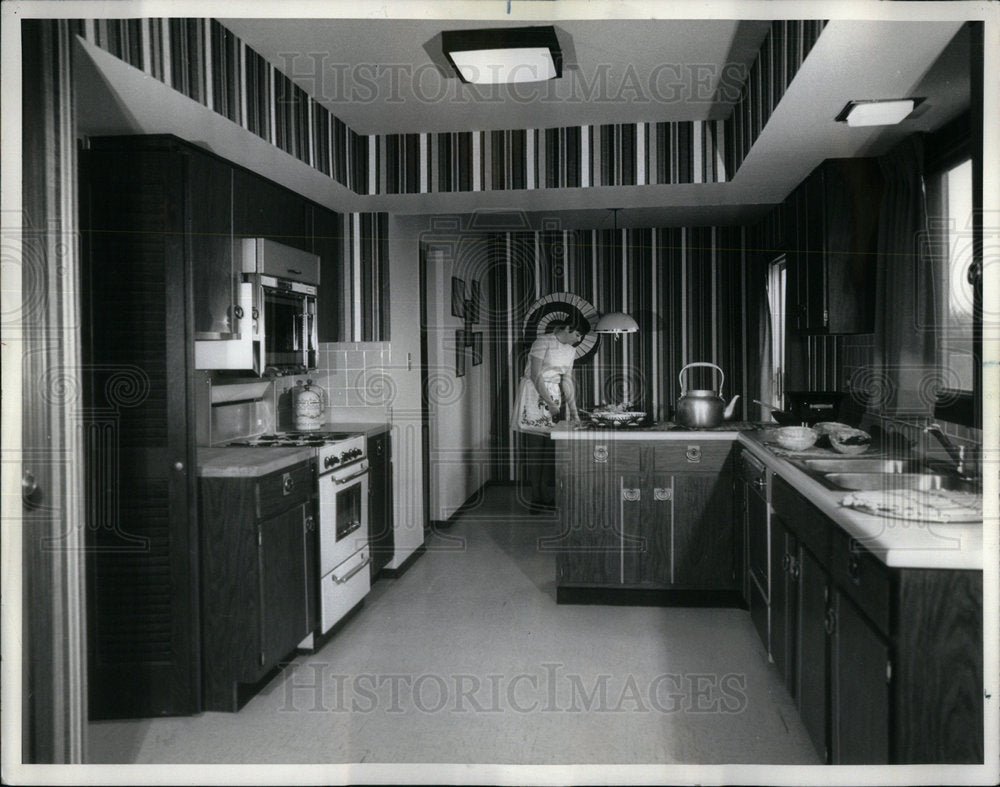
[(466, 658)]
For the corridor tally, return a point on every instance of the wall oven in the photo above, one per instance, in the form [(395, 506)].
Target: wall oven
[(286, 283)]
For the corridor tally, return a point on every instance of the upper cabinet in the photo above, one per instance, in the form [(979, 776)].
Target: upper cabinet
[(832, 238)]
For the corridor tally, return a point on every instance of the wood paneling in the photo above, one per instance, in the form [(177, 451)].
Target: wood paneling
[(939, 678)]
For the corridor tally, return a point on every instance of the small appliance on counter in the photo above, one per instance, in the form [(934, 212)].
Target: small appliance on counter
[(705, 408), (308, 406)]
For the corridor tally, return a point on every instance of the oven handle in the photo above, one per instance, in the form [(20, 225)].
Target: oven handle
[(357, 475), (352, 572)]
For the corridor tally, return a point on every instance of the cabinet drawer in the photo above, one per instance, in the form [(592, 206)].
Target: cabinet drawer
[(862, 577), (751, 469), (615, 456), (807, 522), (286, 488), (691, 456)]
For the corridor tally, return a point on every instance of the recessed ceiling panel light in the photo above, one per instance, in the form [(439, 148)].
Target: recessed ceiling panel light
[(877, 113), (504, 55)]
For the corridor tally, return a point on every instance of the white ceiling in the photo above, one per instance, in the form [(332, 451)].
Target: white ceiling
[(853, 59), (386, 76)]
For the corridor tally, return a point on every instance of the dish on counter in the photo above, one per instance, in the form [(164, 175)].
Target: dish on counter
[(795, 438), (849, 441), (616, 415), (918, 505), (827, 427)]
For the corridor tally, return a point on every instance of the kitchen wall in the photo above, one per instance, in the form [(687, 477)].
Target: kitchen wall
[(460, 390), (685, 286)]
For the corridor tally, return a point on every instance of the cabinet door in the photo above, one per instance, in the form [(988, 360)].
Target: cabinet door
[(859, 688), (703, 530), (327, 233), (588, 545), (784, 571), (214, 266), (284, 599), (813, 619), (263, 209), (657, 529), (814, 258), (852, 194), (380, 535), (142, 619)]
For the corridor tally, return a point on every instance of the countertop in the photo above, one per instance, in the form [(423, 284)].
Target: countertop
[(662, 431), (248, 462), (896, 542)]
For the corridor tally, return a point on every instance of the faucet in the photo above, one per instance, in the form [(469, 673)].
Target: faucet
[(956, 452)]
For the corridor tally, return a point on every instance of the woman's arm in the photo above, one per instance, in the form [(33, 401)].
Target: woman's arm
[(536, 368), (568, 386)]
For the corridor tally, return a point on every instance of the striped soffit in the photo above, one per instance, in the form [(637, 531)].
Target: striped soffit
[(206, 62)]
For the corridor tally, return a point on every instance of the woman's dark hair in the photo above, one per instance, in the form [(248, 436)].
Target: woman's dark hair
[(571, 322)]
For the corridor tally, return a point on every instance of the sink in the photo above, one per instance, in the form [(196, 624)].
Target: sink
[(863, 482), (860, 465)]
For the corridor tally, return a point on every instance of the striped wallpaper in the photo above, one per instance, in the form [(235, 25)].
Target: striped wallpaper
[(366, 277), (204, 60), (781, 55), (684, 286)]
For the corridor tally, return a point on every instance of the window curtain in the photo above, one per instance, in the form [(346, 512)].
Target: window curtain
[(906, 376)]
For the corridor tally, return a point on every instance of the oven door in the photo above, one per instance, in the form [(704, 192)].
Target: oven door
[(343, 515), (290, 326)]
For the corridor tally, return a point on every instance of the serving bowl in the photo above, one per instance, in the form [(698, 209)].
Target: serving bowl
[(850, 441), (616, 417), (795, 438)]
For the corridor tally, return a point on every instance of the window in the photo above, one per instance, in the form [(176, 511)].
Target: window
[(776, 277), (949, 211)]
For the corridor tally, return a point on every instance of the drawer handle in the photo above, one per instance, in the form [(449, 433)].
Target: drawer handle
[(631, 495), (693, 453), (786, 562), (854, 568), (830, 623), (287, 483), (310, 524), (600, 453), (663, 493), (352, 572), (759, 484), (793, 568)]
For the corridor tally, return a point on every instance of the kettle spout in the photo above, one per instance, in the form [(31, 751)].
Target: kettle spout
[(727, 414)]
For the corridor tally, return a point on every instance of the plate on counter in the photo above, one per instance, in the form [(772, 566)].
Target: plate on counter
[(918, 505)]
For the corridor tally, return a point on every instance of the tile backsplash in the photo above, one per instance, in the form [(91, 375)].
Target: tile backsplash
[(355, 376)]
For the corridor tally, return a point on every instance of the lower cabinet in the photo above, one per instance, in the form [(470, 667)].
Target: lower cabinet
[(885, 664), (258, 542), (380, 520), (645, 514)]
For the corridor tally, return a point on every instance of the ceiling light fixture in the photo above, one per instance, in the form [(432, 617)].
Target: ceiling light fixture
[(877, 113), (504, 55)]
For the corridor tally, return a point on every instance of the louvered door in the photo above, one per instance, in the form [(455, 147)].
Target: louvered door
[(141, 507)]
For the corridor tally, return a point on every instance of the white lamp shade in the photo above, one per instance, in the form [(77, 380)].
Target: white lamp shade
[(616, 322)]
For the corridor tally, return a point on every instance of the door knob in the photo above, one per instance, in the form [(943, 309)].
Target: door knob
[(31, 493)]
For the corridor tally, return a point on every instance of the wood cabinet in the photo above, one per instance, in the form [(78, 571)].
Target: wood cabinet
[(833, 242), (138, 432), (380, 518), (257, 577), (885, 664), (645, 514)]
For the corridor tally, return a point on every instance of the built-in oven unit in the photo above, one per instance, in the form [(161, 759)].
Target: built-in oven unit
[(275, 327), (286, 285)]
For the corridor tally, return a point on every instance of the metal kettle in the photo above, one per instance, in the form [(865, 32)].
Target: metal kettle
[(703, 409), (308, 406)]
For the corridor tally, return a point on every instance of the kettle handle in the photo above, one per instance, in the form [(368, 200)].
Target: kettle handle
[(680, 377)]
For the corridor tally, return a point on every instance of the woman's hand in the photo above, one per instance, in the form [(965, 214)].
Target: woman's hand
[(553, 409)]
